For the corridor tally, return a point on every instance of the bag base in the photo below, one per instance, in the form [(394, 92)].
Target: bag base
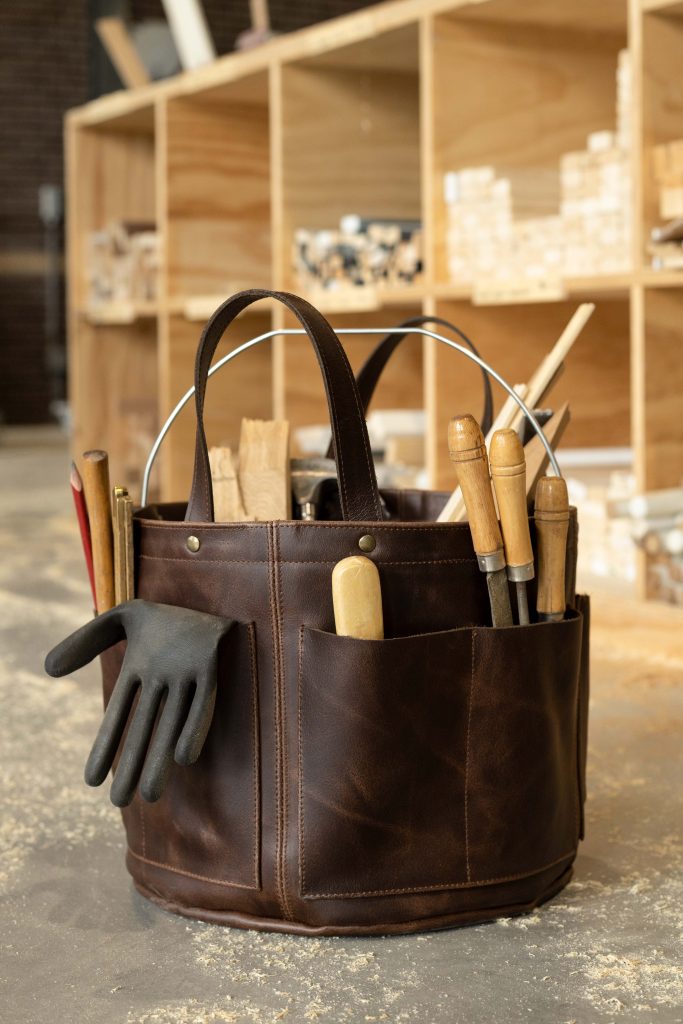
[(263, 924)]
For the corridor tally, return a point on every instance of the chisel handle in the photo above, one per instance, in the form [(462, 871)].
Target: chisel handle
[(551, 515), (468, 451), (508, 472), (97, 498), (357, 599)]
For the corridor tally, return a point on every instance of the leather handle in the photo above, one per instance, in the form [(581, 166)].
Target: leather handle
[(372, 369), (358, 492)]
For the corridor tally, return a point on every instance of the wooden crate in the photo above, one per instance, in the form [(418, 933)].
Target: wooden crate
[(365, 114)]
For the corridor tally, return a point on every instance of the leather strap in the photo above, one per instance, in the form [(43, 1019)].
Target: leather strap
[(369, 374), (358, 492)]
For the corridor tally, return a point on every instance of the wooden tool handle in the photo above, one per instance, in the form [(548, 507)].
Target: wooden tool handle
[(357, 599), (552, 523), (468, 451), (96, 486), (508, 472)]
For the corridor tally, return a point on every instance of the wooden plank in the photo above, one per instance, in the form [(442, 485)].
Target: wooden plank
[(117, 42), (264, 470)]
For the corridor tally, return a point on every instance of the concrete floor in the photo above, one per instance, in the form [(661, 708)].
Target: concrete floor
[(78, 944)]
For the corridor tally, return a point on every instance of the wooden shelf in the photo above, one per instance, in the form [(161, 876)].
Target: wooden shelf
[(113, 313), (364, 114)]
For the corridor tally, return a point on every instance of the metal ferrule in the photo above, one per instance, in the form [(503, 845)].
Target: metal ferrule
[(550, 616), (493, 561), (520, 573)]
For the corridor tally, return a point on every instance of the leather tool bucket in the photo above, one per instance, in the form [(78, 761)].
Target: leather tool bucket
[(431, 779)]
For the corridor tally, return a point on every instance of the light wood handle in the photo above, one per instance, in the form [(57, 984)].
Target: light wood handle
[(508, 472), (96, 487), (357, 599), (468, 452), (551, 515)]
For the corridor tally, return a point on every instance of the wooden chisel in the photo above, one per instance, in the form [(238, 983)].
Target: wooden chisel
[(97, 498), (551, 515), (468, 451), (508, 472), (357, 599)]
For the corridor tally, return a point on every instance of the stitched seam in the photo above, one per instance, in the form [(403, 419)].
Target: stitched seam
[(467, 763), (189, 874), (276, 714), (283, 729), (302, 864), (303, 561), (256, 761), (445, 885), (318, 524)]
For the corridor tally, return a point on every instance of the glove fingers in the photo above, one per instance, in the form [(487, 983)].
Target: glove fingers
[(111, 730), (86, 643), (135, 746), (159, 758), (191, 741)]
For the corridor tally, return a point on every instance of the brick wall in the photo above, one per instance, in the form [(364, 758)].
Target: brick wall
[(49, 61)]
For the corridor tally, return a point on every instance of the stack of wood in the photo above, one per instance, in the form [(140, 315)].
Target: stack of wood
[(362, 253), (123, 263), (596, 207), (666, 240), (656, 526), (523, 226)]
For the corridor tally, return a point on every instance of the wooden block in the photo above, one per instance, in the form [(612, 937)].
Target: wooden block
[(264, 472), (122, 53), (228, 506)]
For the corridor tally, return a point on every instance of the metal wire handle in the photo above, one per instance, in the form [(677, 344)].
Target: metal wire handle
[(344, 330)]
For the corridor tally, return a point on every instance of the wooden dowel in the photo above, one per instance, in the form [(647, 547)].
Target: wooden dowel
[(96, 486), (357, 599)]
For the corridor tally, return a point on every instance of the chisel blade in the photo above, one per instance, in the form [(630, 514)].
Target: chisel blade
[(499, 596)]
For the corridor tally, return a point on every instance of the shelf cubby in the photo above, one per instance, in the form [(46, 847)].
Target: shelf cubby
[(350, 137), (514, 340), (217, 184), (364, 114)]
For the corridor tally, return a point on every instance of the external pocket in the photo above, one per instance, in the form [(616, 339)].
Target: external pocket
[(383, 739), (207, 822), (436, 761), (522, 792)]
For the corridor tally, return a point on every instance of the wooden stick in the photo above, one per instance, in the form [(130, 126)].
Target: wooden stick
[(116, 40), (264, 471), (547, 372), (96, 487), (535, 454), (124, 572), (260, 15), (357, 599)]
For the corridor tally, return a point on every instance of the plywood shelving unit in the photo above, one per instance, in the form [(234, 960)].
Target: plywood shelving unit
[(365, 114)]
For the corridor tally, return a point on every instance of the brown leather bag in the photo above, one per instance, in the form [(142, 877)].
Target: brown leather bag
[(348, 786)]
